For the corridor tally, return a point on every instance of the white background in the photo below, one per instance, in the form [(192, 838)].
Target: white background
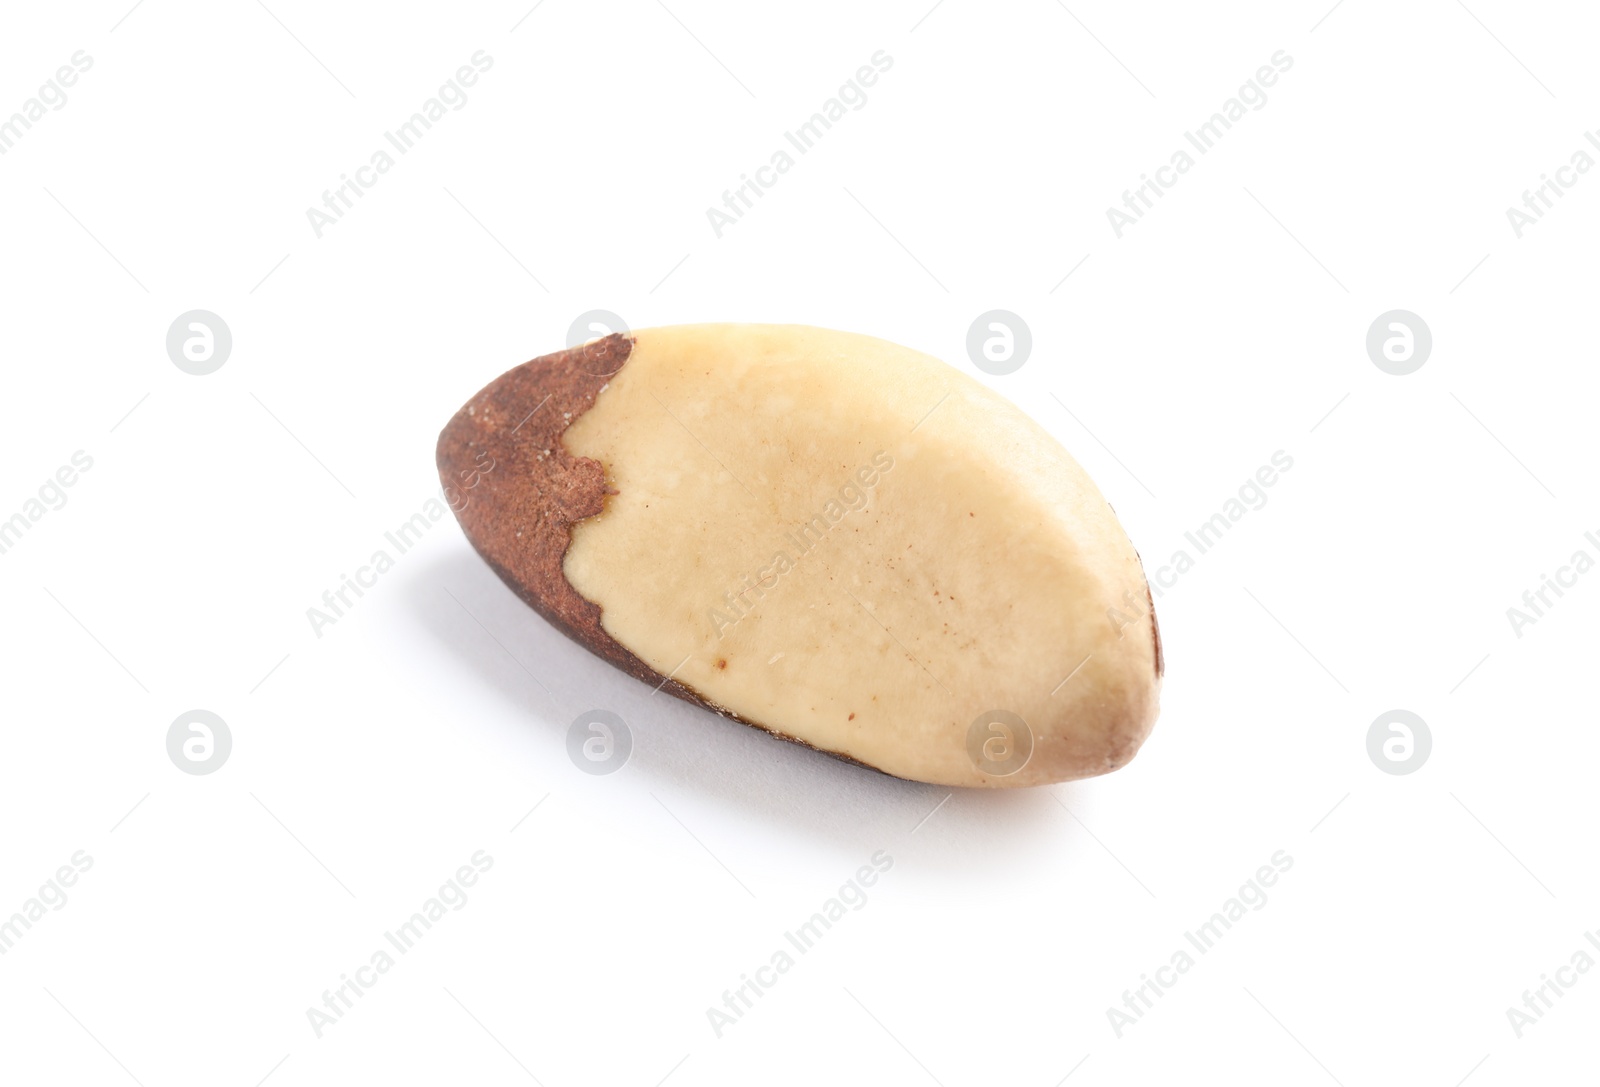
[(369, 763)]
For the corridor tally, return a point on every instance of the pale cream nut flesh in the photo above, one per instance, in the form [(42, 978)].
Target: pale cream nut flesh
[(856, 546)]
